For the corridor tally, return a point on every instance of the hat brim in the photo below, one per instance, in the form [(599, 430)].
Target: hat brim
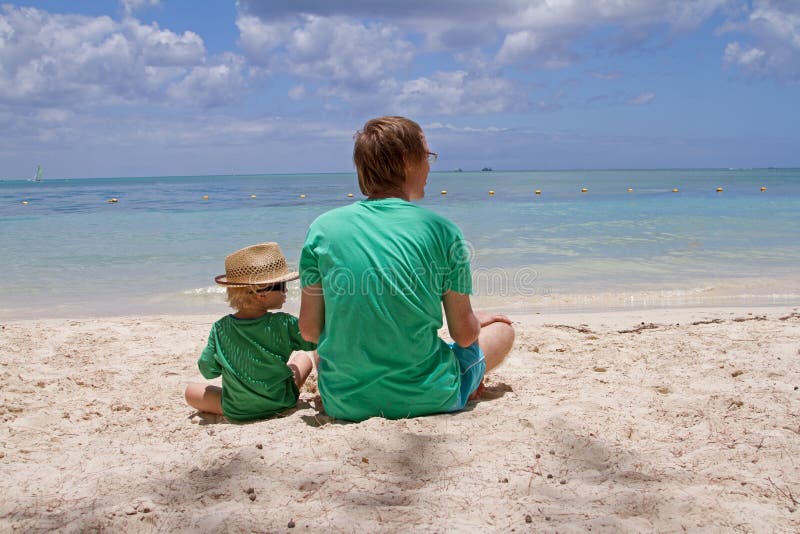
[(288, 277)]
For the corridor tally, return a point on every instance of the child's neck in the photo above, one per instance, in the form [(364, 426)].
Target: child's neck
[(251, 313)]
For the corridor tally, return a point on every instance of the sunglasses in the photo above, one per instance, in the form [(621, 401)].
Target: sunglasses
[(280, 286)]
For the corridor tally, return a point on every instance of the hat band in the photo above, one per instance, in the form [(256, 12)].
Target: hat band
[(254, 277), (251, 272)]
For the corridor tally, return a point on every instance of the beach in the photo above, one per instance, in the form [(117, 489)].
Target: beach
[(652, 386), (618, 179), (668, 420)]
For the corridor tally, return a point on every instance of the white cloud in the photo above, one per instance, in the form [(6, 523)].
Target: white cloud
[(518, 46), (71, 60), (346, 52), (360, 62), (605, 75), (775, 29), (458, 92), (258, 39), (747, 57), (336, 55), (163, 48), (211, 84), (53, 115), (328, 47), (644, 98), (129, 6), (463, 129), (466, 23), (679, 14), (546, 33), (543, 32), (333, 50), (298, 92)]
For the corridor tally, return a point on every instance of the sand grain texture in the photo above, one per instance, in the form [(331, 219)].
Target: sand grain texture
[(634, 421)]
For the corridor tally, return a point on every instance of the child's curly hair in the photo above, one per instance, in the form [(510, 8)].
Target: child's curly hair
[(240, 298)]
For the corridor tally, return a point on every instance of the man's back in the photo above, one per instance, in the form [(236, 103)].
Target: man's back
[(384, 265)]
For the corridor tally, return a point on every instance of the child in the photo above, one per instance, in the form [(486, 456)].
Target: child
[(251, 348)]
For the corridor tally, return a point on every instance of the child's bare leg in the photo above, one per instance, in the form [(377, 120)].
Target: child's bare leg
[(204, 397), (301, 365)]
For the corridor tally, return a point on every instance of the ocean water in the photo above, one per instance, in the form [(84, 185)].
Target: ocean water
[(69, 252)]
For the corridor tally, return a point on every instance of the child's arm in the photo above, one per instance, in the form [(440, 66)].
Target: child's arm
[(208, 365)]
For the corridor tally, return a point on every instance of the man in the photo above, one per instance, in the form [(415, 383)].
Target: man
[(375, 275)]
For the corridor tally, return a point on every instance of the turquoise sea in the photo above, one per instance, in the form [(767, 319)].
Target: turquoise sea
[(68, 252)]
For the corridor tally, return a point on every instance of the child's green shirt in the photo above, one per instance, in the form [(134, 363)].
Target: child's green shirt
[(251, 356)]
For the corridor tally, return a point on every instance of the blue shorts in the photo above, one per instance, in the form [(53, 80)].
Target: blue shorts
[(473, 366)]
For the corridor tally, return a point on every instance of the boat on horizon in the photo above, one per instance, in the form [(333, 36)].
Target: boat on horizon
[(38, 176)]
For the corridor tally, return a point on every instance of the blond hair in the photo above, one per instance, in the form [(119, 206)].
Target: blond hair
[(382, 149), (241, 298)]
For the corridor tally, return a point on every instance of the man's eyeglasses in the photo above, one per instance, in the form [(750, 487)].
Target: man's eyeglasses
[(432, 157), (280, 286)]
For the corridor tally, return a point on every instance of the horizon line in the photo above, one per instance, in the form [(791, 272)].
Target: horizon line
[(476, 171)]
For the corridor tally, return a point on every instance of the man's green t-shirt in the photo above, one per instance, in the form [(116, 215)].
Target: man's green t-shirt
[(251, 356), (384, 265)]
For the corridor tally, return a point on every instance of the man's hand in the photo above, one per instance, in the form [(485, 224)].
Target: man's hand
[(487, 319)]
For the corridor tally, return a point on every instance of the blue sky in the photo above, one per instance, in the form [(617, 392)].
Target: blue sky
[(179, 87)]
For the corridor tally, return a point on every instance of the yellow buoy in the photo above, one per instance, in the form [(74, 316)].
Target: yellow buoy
[(675, 190), (584, 190), (205, 197), (349, 195), (719, 190), (302, 195), (763, 188), (491, 193), (112, 200), (630, 190), (24, 202), (538, 191), (252, 196), (444, 192)]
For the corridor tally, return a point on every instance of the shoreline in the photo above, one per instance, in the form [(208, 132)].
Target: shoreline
[(614, 315), (208, 301)]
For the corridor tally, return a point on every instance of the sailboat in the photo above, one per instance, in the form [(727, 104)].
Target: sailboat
[(38, 176)]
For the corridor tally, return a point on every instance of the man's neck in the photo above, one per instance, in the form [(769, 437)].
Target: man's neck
[(397, 193)]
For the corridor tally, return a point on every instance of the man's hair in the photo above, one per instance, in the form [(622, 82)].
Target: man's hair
[(240, 298), (382, 149)]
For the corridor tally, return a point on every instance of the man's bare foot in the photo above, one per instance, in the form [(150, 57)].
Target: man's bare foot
[(475, 395)]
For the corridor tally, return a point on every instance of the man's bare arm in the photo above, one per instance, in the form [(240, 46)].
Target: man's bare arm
[(312, 313)]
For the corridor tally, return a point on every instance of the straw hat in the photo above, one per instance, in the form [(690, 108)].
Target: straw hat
[(256, 265)]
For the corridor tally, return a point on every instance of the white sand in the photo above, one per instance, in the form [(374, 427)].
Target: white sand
[(680, 426)]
